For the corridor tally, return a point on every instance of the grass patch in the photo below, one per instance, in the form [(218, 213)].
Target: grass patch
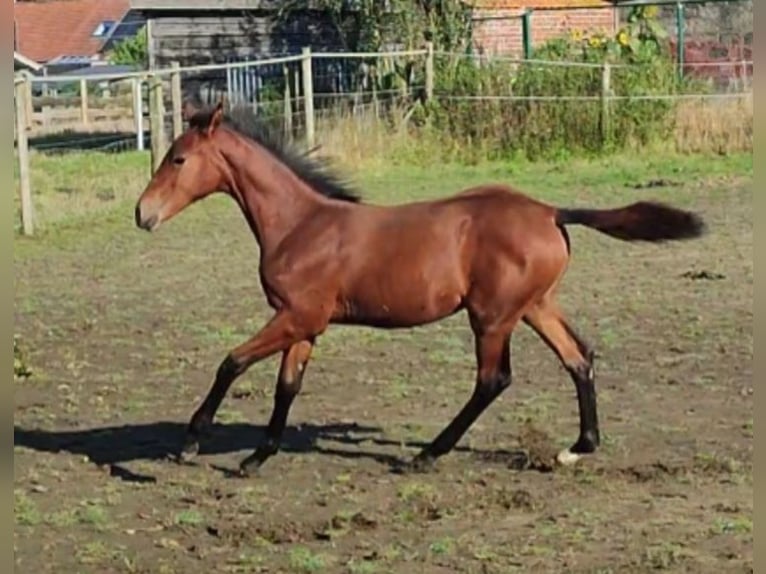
[(664, 556), (70, 186), (442, 547), (384, 182), (305, 561), (229, 416), (739, 525), (713, 463), (25, 509), (99, 552), (362, 567), (245, 562), (93, 515), (189, 518)]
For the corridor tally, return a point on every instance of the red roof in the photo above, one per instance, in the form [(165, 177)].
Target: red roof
[(48, 29)]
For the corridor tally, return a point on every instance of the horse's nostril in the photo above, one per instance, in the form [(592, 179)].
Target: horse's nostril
[(147, 223)]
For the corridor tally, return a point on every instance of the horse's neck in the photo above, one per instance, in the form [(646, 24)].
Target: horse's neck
[(273, 199)]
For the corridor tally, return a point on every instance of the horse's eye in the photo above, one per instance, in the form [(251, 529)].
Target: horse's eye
[(179, 160)]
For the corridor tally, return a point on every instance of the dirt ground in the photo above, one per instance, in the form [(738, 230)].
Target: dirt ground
[(123, 332)]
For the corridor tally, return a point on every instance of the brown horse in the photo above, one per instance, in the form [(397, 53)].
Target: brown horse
[(326, 257)]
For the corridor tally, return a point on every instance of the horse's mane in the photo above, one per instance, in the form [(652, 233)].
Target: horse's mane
[(316, 172)]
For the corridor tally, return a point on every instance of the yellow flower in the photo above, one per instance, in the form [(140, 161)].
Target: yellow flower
[(623, 38), (651, 11), (577, 35), (594, 42)]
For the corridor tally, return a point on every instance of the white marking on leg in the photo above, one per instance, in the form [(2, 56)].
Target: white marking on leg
[(567, 458)]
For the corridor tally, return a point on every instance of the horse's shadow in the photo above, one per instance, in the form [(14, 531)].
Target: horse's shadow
[(117, 445)]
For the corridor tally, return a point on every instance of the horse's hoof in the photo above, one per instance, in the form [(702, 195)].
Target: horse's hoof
[(252, 464), (244, 471), (418, 465), (567, 458), (249, 469), (189, 451)]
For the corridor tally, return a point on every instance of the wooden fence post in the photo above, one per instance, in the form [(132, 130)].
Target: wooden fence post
[(22, 146), (288, 110), (745, 79), (429, 71), (156, 120), (138, 112), (176, 97), (84, 101), (297, 89), (28, 100), (308, 96), (372, 75), (606, 93)]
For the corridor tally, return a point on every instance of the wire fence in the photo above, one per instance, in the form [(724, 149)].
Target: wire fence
[(116, 108), (512, 101), (699, 31)]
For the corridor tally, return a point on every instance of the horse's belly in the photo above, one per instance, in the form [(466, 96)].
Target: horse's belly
[(401, 302)]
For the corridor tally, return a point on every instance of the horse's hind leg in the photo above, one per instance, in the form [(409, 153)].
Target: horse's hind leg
[(493, 377), (548, 321)]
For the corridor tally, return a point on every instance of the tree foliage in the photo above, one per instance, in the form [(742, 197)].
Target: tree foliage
[(373, 25), (131, 51)]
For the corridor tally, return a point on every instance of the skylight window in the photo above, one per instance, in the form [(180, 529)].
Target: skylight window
[(103, 28)]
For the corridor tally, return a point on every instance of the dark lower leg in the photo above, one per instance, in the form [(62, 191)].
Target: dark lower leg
[(493, 378), (484, 394), (584, 379), (203, 417), (578, 359), (275, 336), (283, 399), (289, 382)]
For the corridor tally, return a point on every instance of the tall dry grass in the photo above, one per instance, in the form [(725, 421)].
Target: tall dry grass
[(377, 136), (715, 125), (374, 139)]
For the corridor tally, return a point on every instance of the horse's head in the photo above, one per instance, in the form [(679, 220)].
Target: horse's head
[(192, 168)]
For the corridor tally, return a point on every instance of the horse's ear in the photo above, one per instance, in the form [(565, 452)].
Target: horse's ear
[(188, 111), (216, 118)]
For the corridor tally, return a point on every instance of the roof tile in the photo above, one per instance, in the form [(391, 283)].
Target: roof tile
[(50, 29)]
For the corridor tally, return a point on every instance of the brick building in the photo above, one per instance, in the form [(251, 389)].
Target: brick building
[(497, 24)]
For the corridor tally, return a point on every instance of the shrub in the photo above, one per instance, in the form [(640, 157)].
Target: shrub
[(20, 367), (544, 109)]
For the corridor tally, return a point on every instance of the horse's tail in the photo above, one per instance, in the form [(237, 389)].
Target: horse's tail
[(640, 221)]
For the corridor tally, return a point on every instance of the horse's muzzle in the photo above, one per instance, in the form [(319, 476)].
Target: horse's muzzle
[(145, 223)]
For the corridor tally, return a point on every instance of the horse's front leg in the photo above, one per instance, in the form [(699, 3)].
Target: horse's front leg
[(283, 331), (291, 371)]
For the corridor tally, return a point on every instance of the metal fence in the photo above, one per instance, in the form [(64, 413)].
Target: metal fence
[(708, 38)]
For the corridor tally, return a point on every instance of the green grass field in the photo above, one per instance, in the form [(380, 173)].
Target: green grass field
[(76, 188), (122, 332)]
